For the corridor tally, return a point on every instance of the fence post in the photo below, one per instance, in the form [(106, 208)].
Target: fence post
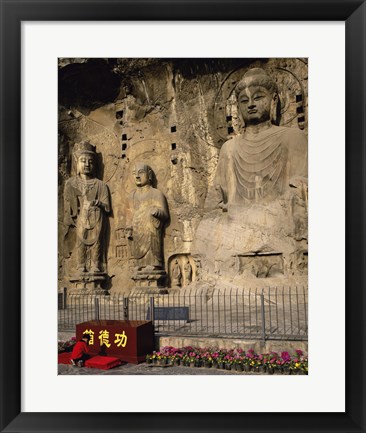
[(64, 298), (125, 308), (64, 301), (152, 312), (263, 318), (96, 305)]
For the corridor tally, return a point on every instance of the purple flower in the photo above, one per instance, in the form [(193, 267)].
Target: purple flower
[(285, 356)]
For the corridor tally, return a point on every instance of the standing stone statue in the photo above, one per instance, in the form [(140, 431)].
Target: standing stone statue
[(146, 218), (187, 269), (87, 203), (176, 274)]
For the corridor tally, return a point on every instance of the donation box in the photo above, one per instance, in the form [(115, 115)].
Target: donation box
[(128, 340)]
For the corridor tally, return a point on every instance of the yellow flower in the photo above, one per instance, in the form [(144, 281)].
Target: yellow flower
[(297, 365)]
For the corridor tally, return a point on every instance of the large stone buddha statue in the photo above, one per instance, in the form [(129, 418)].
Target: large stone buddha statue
[(261, 186), (266, 160)]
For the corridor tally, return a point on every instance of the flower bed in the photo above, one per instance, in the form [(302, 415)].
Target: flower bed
[(66, 346), (233, 359)]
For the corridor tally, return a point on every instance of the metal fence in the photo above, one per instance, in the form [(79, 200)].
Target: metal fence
[(272, 313)]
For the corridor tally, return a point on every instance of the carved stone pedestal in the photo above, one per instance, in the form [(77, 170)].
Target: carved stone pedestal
[(150, 281), (88, 283)]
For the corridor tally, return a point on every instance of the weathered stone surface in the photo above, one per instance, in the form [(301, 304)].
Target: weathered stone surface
[(175, 115)]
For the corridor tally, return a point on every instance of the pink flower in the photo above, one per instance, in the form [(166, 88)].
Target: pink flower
[(285, 356)]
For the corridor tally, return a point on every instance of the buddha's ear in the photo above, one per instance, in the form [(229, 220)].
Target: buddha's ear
[(275, 109)]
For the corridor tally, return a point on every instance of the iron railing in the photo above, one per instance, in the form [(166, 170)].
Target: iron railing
[(272, 313)]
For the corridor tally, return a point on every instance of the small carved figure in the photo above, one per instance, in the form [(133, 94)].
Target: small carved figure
[(176, 274), (146, 218), (87, 203), (187, 269)]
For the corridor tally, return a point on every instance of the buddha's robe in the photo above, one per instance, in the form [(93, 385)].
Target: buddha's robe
[(79, 196), (147, 229), (261, 167)]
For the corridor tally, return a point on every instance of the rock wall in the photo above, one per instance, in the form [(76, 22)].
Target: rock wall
[(174, 115)]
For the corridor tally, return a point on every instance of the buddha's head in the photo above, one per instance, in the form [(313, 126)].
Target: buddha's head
[(257, 97), (85, 158), (142, 174)]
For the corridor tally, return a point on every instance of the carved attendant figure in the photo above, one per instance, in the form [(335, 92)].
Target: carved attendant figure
[(148, 213), (187, 273), (176, 274), (87, 202), (265, 161)]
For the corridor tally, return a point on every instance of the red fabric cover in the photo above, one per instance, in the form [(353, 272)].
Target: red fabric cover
[(102, 362), (79, 349), (64, 358)]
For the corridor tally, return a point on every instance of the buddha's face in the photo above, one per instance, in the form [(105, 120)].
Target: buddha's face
[(141, 175), (254, 104), (86, 164)]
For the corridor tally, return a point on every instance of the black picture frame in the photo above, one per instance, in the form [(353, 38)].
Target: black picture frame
[(12, 14)]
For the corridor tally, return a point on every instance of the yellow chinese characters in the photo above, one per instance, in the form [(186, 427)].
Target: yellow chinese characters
[(121, 339), (91, 333), (104, 338)]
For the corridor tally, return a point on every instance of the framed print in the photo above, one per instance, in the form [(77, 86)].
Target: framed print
[(317, 65)]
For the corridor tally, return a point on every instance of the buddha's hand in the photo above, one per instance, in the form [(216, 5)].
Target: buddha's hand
[(129, 233), (96, 203), (155, 212), (223, 207)]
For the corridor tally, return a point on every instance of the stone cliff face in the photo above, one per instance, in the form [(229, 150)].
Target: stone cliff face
[(174, 115)]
